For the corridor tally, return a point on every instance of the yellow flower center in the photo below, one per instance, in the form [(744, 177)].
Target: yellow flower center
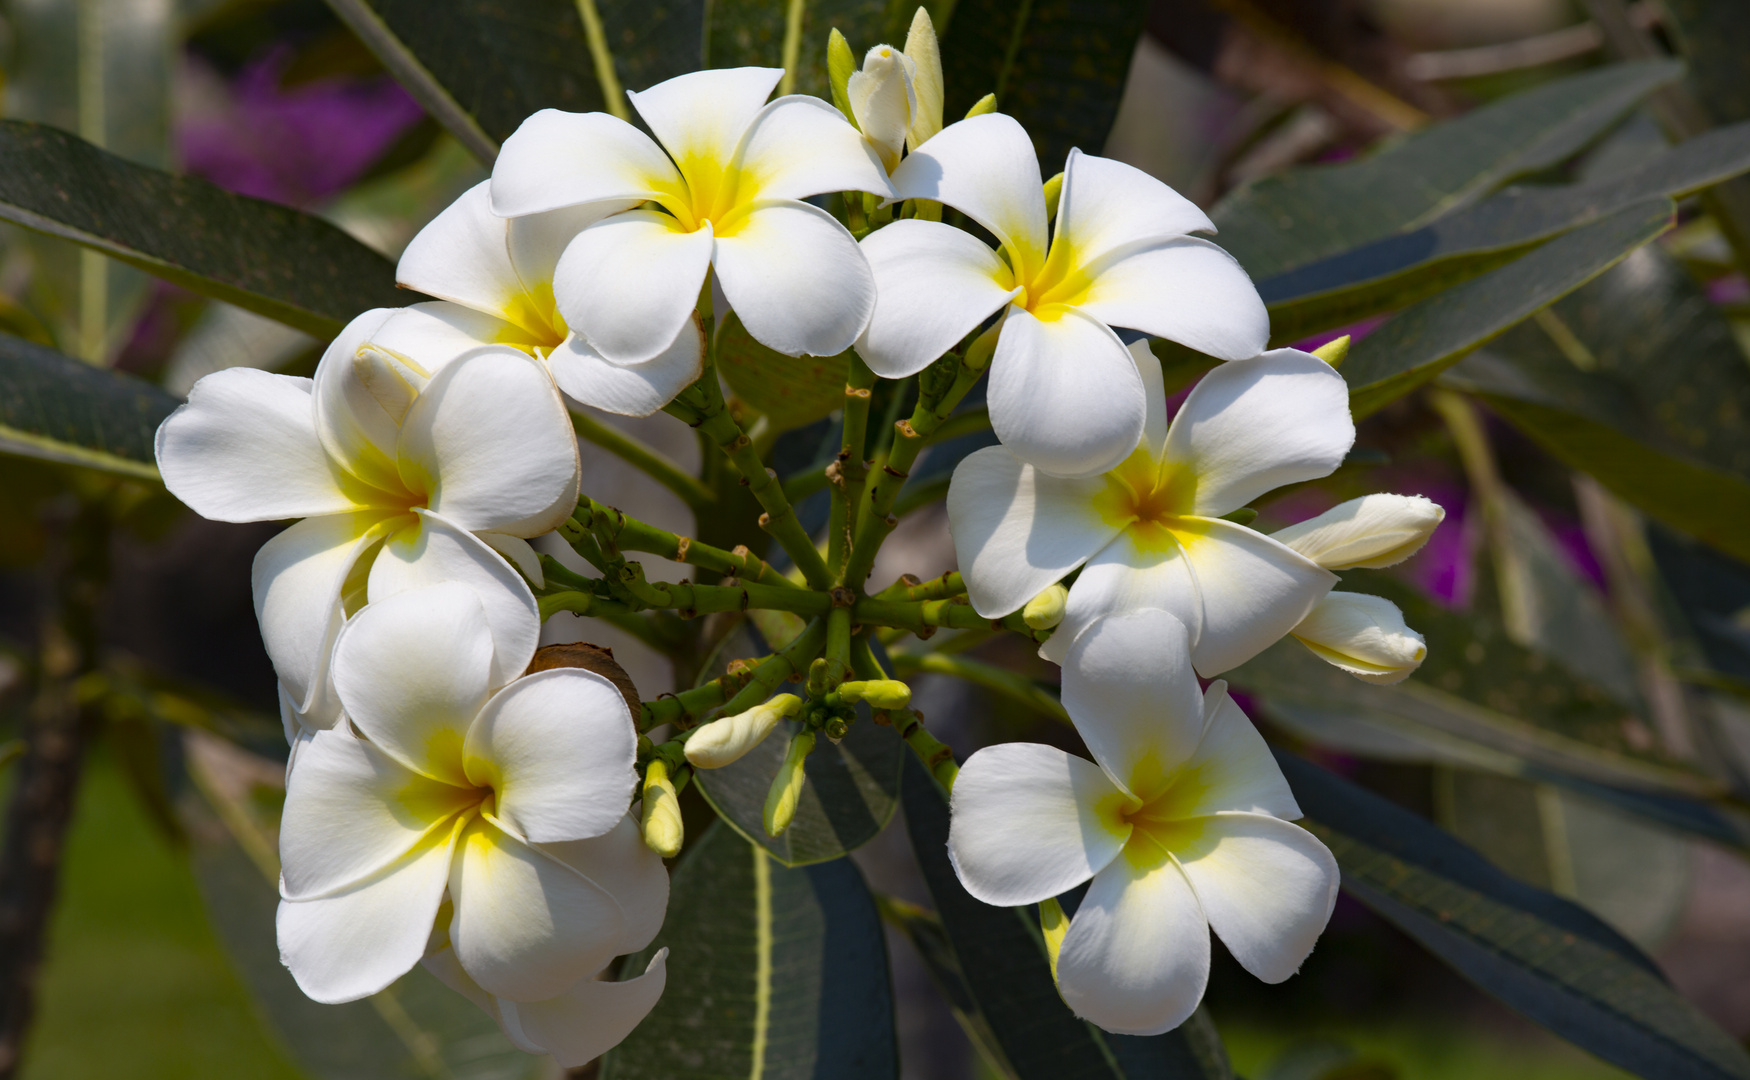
[(1148, 500), (1161, 816)]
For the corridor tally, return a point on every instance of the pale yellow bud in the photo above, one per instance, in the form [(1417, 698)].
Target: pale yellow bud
[(1366, 533), (1334, 352), (926, 56), (1364, 635), (880, 693), (1054, 925), (724, 741), (1046, 610), (391, 379), (882, 100), (786, 789), (663, 832), (985, 104)]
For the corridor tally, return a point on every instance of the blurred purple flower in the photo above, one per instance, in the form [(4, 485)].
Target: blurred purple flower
[(298, 145), (1731, 289)]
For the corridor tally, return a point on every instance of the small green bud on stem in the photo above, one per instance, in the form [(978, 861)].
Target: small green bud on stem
[(1333, 352), (879, 693), (725, 740), (786, 789), (1046, 610), (663, 832)]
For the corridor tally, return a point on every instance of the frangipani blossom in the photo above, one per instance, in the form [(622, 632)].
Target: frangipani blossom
[(1181, 821), (404, 475), (727, 184), (1064, 397), (508, 803), (897, 97), (495, 277), (1150, 532)]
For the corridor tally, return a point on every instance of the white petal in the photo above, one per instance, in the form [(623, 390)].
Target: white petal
[(934, 284), (437, 332), (984, 167), (621, 862), (491, 445), (1065, 395), (1267, 887), (558, 748), (800, 146), (1030, 822), (556, 159), (592, 1017), (526, 926), (1251, 589), (629, 283), (538, 240), (357, 431), (1371, 532), (1017, 530), (1154, 426), (516, 551), (1129, 687), (463, 255), (439, 550), (1128, 574), (1364, 635), (351, 810), (1136, 958), (796, 278), (629, 389), (412, 671), (244, 448), (353, 943), (1187, 290), (1254, 425), (1107, 204), (1233, 768), (297, 580), (699, 117)]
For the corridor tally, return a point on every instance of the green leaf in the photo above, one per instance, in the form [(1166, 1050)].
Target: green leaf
[(752, 32), (1057, 66), (1004, 975), (1400, 269), (790, 391), (772, 972), (1543, 956), (273, 260), (1304, 215), (1426, 338), (54, 407), (929, 938)]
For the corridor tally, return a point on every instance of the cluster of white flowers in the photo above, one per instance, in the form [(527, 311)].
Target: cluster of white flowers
[(444, 806)]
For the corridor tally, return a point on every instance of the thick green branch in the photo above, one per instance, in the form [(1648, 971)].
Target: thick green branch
[(740, 688), (923, 618), (691, 600), (937, 757), (646, 459), (630, 534), (847, 472), (939, 588)]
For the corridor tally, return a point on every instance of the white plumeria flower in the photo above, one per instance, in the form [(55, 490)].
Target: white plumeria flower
[(1182, 825), (404, 476), (1363, 635), (1063, 395), (727, 197), (1150, 532), (897, 97), (495, 277), (508, 802)]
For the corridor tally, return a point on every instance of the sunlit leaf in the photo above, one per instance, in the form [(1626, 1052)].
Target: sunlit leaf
[(55, 407)]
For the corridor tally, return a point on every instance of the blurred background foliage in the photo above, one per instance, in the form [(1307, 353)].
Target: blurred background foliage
[(1529, 214)]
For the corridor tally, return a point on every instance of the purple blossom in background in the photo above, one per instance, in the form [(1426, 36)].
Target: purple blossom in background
[(300, 145)]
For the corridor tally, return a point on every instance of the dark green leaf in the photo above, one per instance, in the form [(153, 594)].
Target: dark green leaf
[(1304, 215), (751, 32), (1400, 269), (1057, 66), (1542, 955), (772, 972), (930, 939), (790, 390), (1004, 974), (54, 407), (273, 260), (1426, 338), (1710, 591)]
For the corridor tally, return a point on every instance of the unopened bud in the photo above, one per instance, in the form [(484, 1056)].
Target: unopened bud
[(786, 789), (663, 832), (392, 380), (1371, 532), (1053, 194), (1045, 611), (882, 100), (1054, 925), (1364, 635), (724, 741), (840, 62), (879, 693), (987, 103), (922, 49), (1334, 352)]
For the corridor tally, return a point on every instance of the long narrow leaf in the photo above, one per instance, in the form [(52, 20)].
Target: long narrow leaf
[(54, 407)]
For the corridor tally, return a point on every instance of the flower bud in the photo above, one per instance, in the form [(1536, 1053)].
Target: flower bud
[(392, 380), (882, 101), (724, 741), (663, 832), (1370, 532), (1045, 611), (1364, 635), (1334, 352), (922, 50), (840, 62), (786, 789), (985, 104), (1054, 927), (879, 693)]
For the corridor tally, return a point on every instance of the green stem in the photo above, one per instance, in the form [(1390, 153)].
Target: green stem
[(918, 496), (937, 757), (630, 534), (651, 462), (969, 422), (910, 588), (838, 645), (846, 474), (924, 617), (1009, 685), (693, 600), (792, 659)]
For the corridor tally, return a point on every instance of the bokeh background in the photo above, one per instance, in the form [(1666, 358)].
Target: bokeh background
[(160, 962)]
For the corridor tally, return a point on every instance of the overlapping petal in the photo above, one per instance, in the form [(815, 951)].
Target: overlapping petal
[(795, 276), (629, 283), (699, 117), (935, 284), (1184, 289), (985, 167), (1233, 769), (591, 1018), (557, 747), (629, 389), (353, 425), (439, 331), (621, 862), (1107, 204), (1251, 590), (1128, 575), (556, 159), (800, 146), (462, 255), (1129, 687), (1030, 822), (1065, 395)]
